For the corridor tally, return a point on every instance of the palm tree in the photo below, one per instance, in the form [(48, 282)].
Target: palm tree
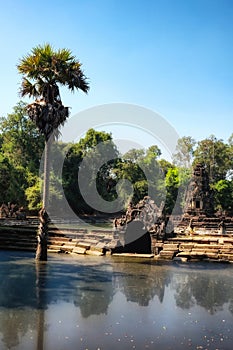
[(43, 71)]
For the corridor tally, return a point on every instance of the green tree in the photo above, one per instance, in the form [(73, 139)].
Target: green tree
[(223, 190), (230, 140), (33, 192), (230, 143), (92, 139), (154, 174), (93, 159), (5, 179), (12, 182), (216, 156), (128, 168), (184, 152), (134, 155), (165, 165), (141, 168), (176, 182), (172, 184), (21, 141), (152, 153), (23, 146), (43, 71)]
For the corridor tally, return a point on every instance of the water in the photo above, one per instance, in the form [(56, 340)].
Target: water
[(83, 302)]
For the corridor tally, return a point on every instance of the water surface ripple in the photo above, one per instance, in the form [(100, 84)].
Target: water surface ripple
[(102, 303)]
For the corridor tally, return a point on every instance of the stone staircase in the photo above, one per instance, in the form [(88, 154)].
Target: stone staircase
[(81, 241), (21, 235), (207, 225), (18, 238), (203, 244), (214, 247)]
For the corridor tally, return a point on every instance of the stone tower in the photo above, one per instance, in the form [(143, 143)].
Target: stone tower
[(200, 196)]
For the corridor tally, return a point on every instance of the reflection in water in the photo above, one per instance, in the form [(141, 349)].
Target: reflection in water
[(87, 302), (140, 282), (209, 289), (14, 324), (41, 295)]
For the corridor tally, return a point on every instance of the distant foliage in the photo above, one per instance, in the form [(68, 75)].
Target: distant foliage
[(22, 146)]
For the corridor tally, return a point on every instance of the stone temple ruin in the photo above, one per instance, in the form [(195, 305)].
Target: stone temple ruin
[(144, 224), (134, 229), (199, 213), (200, 197), (197, 234)]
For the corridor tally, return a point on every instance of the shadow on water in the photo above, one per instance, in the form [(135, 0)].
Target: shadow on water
[(90, 284)]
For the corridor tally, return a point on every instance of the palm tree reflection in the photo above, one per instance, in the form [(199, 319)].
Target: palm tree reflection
[(27, 288), (41, 298)]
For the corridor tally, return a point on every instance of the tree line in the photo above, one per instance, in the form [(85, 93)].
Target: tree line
[(22, 146)]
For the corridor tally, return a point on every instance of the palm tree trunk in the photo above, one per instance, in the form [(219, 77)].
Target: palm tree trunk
[(42, 234)]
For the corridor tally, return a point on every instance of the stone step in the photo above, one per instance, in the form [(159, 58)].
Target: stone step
[(212, 255), (94, 252), (166, 254), (203, 249), (79, 250), (83, 244), (89, 241), (67, 247), (226, 250), (170, 247), (133, 255), (18, 244), (16, 236), (100, 245), (53, 250), (58, 239), (54, 247), (20, 248)]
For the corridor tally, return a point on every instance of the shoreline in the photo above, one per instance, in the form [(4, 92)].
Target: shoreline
[(97, 241)]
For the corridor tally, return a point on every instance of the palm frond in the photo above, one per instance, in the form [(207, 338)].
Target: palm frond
[(43, 70), (65, 55), (27, 88)]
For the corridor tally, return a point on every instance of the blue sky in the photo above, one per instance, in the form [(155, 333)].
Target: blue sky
[(174, 57)]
